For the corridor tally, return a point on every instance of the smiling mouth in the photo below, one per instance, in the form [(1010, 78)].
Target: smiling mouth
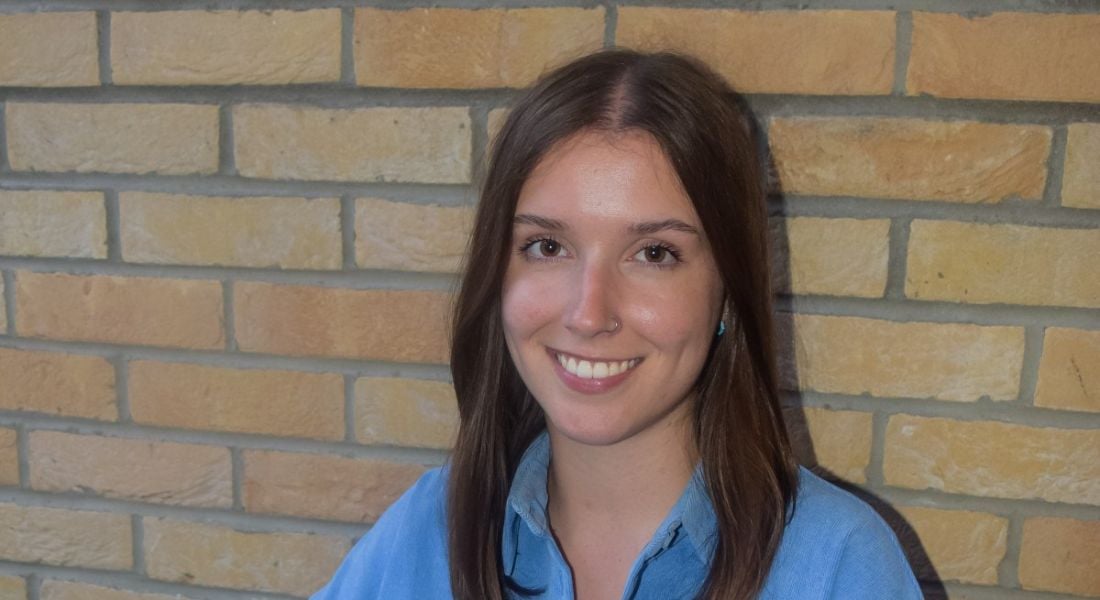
[(594, 369)]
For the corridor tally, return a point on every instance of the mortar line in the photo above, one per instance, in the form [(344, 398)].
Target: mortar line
[(227, 160), (347, 46), (347, 232), (349, 408), (897, 258), (903, 42), (236, 458), (22, 445), (479, 142), (137, 543), (112, 211), (1055, 166), (1008, 571), (122, 387), (4, 166), (876, 476), (103, 41), (1034, 338), (34, 586), (9, 300), (228, 317), (611, 23)]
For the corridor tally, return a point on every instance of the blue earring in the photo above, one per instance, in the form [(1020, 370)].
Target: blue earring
[(721, 328)]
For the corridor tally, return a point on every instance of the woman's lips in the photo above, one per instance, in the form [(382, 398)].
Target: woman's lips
[(577, 381)]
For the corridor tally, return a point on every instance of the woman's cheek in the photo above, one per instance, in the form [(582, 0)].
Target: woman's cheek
[(529, 302)]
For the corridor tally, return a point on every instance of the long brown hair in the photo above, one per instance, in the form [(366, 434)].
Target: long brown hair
[(748, 467)]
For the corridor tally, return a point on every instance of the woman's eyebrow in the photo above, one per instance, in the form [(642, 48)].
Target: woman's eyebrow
[(537, 221), (642, 228)]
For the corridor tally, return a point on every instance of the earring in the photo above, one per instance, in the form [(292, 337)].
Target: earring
[(721, 327)]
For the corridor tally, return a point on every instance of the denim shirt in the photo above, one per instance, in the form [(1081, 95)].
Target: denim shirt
[(834, 547)]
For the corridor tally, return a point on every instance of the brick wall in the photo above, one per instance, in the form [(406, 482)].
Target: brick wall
[(227, 242)]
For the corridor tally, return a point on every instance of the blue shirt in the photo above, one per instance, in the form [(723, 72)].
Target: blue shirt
[(834, 546)]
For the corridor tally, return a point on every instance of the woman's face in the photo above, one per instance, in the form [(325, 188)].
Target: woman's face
[(610, 273)]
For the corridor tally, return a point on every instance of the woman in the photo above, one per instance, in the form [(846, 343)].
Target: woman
[(614, 362)]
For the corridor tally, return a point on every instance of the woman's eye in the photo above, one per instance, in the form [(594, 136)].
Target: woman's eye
[(658, 255), (542, 248)]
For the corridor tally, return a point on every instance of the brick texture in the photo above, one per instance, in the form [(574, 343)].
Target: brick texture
[(59, 384), (405, 412), (425, 145), (184, 313), (48, 49), (211, 555), (9, 457), (70, 538), (1081, 179), (1069, 372), (263, 401), (1060, 555), (13, 588), (323, 487), (402, 326), (54, 589), (1003, 264), (961, 545), (456, 48), (835, 440), (944, 361), (45, 223), (994, 56), (410, 237), (1001, 460), (912, 159), (225, 47), (146, 471), (832, 257), (169, 139), (287, 233), (781, 52)]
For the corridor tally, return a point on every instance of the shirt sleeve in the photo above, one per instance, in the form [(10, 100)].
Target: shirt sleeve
[(407, 535), (872, 566)]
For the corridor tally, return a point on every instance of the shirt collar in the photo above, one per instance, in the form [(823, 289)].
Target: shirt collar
[(527, 502)]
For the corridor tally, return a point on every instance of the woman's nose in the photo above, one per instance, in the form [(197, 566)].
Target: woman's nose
[(592, 309)]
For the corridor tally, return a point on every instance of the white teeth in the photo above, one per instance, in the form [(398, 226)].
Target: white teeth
[(595, 370)]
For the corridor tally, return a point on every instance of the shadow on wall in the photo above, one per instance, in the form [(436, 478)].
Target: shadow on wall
[(792, 399)]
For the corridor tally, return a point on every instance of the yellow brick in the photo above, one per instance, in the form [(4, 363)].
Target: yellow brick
[(287, 233), (12, 588), (996, 56), (496, 120), (285, 403), (1069, 372), (125, 310), (945, 361), (170, 139), (46, 223), (834, 257), (323, 487), (913, 159), (48, 49), (961, 545), (9, 457), (1001, 460), (210, 555), (393, 325), (157, 472), (70, 538), (426, 145), (775, 51), (1002, 264), (410, 237), (58, 384), (459, 48), (225, 47), (54, 589), (1060, 555), (405, 412), (1081, 177), (839, 441)]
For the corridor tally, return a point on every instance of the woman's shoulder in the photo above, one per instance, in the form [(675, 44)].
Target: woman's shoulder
[(836, 545), (404, 554)]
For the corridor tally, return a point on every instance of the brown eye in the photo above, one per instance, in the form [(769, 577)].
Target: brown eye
[(549, 247), (655, 254)]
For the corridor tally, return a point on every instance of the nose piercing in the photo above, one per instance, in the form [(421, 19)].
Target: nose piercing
[(615, 324)]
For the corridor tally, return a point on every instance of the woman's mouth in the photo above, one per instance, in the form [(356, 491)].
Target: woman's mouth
[(589, 375)]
